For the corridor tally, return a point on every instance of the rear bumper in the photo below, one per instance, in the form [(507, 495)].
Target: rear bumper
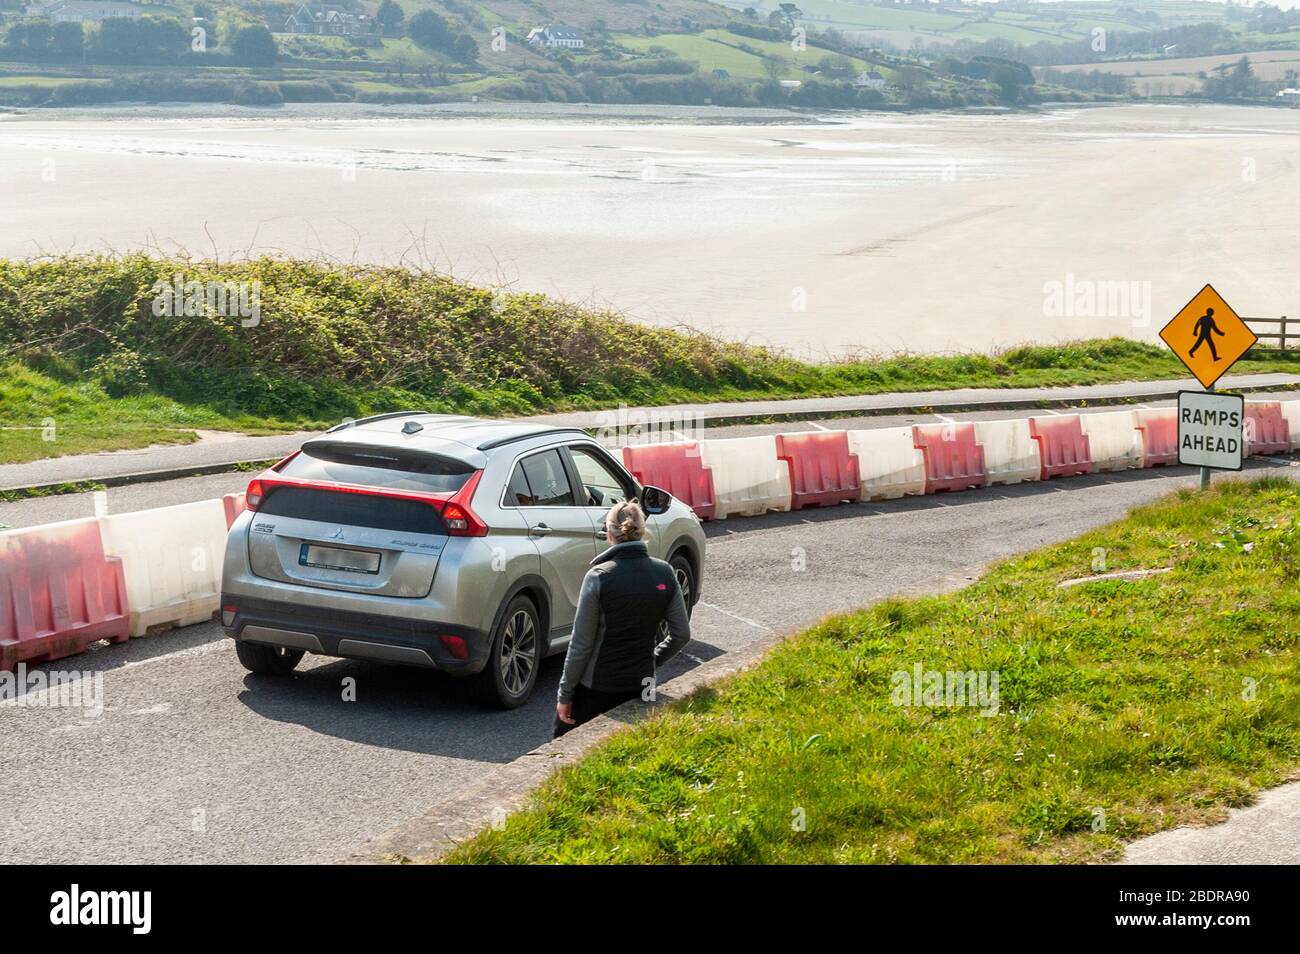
[(353, 635)]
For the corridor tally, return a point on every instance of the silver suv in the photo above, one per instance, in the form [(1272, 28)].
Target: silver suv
[(440, 541)]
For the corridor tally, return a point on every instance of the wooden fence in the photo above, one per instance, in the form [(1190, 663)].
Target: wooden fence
[(1267, 334)]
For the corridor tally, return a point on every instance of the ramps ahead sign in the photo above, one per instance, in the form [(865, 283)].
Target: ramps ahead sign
[(1210, 429)]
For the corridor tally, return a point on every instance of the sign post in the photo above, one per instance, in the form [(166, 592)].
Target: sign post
[(1209, 337), (1205, 471)]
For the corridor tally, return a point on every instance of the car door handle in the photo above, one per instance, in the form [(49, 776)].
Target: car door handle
[(540, 530)]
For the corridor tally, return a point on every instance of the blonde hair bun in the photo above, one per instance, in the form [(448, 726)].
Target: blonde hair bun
[(625, 522)]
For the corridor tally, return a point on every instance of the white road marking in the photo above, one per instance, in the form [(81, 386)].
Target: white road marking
[(735, 616)]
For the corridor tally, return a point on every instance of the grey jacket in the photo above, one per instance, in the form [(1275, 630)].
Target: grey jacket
[(589, 626)]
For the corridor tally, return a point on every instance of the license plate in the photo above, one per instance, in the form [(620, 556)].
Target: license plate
[(336, 558)]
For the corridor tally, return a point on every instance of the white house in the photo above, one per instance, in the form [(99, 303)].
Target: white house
[(869, 79), (552, 36), (84, 11), (326, 20)]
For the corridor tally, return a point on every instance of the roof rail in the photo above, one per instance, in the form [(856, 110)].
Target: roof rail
[(510, 439), (374, 417)]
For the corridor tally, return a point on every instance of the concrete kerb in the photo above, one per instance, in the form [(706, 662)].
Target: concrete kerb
[(142, 477), (506, 789)]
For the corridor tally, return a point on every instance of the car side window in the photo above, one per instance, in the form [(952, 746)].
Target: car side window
[(518, 493), (602, 486), (548, 482)]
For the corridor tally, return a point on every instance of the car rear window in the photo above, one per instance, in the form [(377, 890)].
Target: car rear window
[(379, 467), (353, 510)]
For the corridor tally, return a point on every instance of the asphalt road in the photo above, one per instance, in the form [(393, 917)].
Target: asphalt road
[(1266, 833), (195, 760)]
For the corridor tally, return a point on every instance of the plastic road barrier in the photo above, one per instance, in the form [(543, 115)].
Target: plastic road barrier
[(172, 557), (889, 463), (1062, 445), (748, 478), (676, 468), (1113, 439), (953, 459), (58, 592), (234, 506), (1010, 453), (1158, 428), (1291, 414), (1267, 431), (823, 472)]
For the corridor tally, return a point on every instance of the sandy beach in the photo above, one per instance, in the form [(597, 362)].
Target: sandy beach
[(822, 235)]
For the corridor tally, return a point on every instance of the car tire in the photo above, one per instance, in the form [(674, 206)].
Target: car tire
[(685, 574), (508, 679), (267, 660)]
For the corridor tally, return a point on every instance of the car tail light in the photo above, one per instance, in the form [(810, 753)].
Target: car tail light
[(228, 613), (254, 495), (456, 645), (461, 521)]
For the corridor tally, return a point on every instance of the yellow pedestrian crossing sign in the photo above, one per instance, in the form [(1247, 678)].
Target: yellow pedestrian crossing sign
[(1208, 336)]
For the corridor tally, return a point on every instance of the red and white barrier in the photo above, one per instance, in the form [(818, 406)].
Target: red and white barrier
[(59, 592), (675, 467), (748, 476), (1010, 451), (1158, 428), (1291, 414), (172, 557), (1113, 439), (890, 465), (1062, 445), (823, 472)]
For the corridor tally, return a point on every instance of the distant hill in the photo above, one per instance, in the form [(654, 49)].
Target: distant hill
[(264, 52)]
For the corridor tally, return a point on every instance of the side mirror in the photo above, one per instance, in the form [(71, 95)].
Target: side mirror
[(655, 501)]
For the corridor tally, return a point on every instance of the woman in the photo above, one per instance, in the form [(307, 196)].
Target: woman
[(615, 648)]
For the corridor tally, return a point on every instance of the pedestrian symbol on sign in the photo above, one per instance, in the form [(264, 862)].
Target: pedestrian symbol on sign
[(1204, 327)]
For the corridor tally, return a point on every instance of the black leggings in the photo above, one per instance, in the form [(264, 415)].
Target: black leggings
[(589, 703)]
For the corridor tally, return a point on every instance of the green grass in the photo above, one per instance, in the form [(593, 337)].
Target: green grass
[(46, 81), (720, 49), (1146, 704), (43, 417), (54, 490), (80, 347)]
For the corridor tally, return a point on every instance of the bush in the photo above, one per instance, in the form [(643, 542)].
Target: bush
[(333, 339), (254, 46), (121, 373), (258, 94)]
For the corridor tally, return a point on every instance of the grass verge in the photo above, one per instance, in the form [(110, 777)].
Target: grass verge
[(84, 357), (1141, 704)]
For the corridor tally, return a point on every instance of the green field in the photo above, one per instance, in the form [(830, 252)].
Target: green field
[(1123, 707), (1051, 22), (720, 49)]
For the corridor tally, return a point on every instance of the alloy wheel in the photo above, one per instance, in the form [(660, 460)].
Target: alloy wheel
[(518, 652)]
